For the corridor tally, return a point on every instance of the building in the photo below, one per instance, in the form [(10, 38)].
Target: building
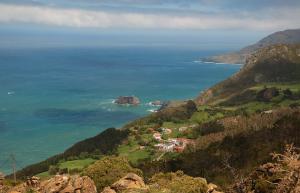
[(174, 144), (166, 147), (181, 129), (157, 136)]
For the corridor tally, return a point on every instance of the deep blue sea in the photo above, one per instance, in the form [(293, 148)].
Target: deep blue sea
[(51, 98)]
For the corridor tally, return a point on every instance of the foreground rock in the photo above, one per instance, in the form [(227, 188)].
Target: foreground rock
[(130, 183), (164, 183), (131, 100), (2, 187), (57, 184)]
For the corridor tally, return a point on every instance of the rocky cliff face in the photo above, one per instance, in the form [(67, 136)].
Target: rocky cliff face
[(281, 37), (57, 184)]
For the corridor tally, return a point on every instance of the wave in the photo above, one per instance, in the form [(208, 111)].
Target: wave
[(152, 110), (197, 61), (10, 92)]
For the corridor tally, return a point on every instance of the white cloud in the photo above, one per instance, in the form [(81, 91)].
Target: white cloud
[(267, 20)]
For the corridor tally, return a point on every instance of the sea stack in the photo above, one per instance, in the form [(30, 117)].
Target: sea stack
[(130, 100)]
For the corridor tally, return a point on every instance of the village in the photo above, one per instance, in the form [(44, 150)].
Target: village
[(171, 144)]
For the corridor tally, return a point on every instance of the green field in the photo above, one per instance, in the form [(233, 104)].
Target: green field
[(294, 87), (76, 164)]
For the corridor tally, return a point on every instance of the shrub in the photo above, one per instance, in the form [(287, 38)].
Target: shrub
[(108, 170), (177, 183), (53, 170)]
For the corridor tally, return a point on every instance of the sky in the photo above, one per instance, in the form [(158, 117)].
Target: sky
[(231, 23)]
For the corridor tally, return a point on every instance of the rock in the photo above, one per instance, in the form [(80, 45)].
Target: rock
[(33, 181), (85, 185), (130, 183), (57, 184), (131, 100), (108, 190), (212, 188), (156, 103)]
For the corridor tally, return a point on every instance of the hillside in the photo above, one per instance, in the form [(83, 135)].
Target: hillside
[(282, 37), (222, 136), (277, 64)]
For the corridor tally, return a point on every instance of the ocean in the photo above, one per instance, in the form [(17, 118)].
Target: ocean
[(51, 98)]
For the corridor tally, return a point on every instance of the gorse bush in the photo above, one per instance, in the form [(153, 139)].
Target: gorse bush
[(177, 183), (108, 170)]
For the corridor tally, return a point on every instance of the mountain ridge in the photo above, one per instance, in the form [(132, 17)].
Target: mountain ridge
[(276, 63), (290, 36)]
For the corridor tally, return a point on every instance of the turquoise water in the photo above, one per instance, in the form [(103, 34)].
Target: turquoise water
[(51, 98)]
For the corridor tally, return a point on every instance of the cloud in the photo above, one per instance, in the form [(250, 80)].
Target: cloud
[(269, 19)]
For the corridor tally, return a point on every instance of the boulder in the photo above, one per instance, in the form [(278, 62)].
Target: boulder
[(108, 190), (212, 188), (130, 183), (33, 182), (57, 184), (131, 100)]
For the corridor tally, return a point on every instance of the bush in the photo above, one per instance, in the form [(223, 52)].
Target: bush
[(53, 170), (63, 171), (108, 170), (177, 183)]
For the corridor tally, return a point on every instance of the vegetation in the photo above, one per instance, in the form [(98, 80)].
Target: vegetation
[(234, 127), (243, 144), (281, 176), (104, 143), (177, 183), (277, 64), (108, 170)]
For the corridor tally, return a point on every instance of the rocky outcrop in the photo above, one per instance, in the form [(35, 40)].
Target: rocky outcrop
[(34, 182), (131, 100), (2, 187), (57, 184), (130, 183)]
